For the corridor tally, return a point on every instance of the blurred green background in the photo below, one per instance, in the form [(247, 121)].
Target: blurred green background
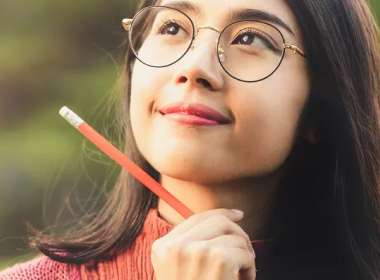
[(53, 53)]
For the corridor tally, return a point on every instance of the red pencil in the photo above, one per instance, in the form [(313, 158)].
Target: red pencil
[(125, 162)]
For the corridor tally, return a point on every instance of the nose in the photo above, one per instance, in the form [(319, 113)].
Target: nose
[(200, 66)]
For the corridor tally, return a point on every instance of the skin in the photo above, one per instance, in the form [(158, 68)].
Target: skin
[(234, 166)]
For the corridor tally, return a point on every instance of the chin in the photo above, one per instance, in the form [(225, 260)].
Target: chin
[(206, 164), (199, 171)]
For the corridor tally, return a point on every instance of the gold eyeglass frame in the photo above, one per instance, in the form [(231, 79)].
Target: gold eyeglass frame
[(127, 24)]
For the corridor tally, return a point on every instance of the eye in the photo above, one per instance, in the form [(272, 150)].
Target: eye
[(170, 27), (252, 37), (246, 39)]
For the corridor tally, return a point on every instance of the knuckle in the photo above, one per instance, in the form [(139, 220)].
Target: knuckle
[(223, 223), (246, 236), (158, 250), (169, 247), (241, 241), (227, 228), (177, 250), (202, 248), (250, 257), (176, 246), (157, 246), (219, 257), (200, 251)]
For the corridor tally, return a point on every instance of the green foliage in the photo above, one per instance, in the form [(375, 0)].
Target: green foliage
[(52, 53)]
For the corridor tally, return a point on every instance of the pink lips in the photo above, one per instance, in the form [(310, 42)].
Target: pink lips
[(193, 113)]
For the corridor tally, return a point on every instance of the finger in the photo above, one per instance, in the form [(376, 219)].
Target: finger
[(197, 218), (228, 241), (248, 274), (214, 227), (232, 260)]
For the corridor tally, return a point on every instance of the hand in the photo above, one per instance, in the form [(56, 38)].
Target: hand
[(208, 245)]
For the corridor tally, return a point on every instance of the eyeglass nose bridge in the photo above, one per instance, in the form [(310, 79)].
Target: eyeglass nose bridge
[(220, 49), (207, 27)]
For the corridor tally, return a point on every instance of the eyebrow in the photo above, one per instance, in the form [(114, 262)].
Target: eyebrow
[(233, 14), (185, 6)]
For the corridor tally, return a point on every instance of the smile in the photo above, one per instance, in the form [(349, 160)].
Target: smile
[(194, 114)]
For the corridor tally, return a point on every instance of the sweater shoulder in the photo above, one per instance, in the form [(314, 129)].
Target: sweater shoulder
[(41, 268)]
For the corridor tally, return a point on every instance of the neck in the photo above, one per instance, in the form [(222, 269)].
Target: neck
[(252, 196)]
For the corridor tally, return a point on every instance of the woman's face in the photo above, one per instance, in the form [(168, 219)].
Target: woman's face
[(264, 115)]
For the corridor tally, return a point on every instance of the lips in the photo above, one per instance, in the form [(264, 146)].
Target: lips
[(195, 109)]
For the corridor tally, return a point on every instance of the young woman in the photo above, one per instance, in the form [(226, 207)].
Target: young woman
[(270, 107)]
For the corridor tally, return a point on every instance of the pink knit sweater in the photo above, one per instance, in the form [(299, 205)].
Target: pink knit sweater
[(134, 264)]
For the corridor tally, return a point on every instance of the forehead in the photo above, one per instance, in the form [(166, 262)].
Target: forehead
[(215, 12)]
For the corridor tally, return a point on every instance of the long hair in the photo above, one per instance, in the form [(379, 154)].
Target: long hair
[(325, 222)]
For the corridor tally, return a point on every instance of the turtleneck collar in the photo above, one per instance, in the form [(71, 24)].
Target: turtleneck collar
[(133, 263), (155, 226)]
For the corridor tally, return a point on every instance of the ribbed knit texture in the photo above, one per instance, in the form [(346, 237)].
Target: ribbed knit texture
[(134, 263)]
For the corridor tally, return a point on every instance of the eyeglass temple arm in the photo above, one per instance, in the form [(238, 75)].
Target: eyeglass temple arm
[(295, 49), (127, 22)]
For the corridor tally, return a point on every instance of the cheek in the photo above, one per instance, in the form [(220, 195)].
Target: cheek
[(147, 84), (267, 117), (142, 96)]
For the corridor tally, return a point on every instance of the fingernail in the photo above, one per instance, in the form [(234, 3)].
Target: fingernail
[(237, 211)]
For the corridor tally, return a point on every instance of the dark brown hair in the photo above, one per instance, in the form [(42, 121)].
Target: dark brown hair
[(325, 222)]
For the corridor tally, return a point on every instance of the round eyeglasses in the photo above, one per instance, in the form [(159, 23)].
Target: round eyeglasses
[(248, 50)]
